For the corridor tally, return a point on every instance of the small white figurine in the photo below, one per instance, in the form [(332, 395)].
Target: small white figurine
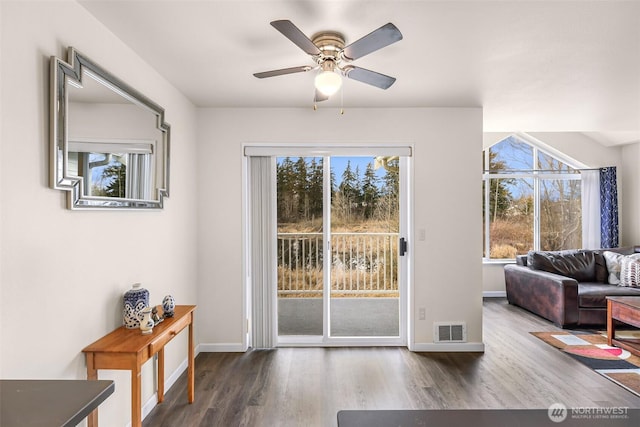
[(146, 324)]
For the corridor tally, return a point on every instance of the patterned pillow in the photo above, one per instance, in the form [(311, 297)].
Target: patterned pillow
[(613, 260), (630, 273)]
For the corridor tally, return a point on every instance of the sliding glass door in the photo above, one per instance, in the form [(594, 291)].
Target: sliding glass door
[(364, 296), (300, 246), (338, 259)]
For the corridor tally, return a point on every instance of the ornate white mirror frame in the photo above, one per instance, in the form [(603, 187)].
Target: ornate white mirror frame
[(109, 143)]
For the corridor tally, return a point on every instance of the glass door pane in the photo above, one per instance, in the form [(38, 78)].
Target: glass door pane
[(300, 245), (364, 297)]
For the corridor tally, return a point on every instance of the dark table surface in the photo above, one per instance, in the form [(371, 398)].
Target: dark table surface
[(50, 403)]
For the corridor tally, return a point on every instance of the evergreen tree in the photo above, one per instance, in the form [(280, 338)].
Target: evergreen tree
[(370, 192), (285, 182), (300, 189), (315, 192), (349, 191)]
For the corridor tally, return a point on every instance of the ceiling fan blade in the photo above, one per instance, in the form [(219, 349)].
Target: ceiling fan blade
[(283, 71), (369, 77), (293, 33), (377, 39)]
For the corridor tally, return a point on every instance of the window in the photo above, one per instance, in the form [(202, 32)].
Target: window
[(531, 200)]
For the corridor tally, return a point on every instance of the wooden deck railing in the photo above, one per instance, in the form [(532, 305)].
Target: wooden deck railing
[(361, 264)]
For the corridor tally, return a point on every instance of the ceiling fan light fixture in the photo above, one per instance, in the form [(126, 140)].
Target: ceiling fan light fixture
[(328, 82)]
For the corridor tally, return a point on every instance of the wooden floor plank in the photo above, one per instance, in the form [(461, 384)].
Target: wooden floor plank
[(308, 386)]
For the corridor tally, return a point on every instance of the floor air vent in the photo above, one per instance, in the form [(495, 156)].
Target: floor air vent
[(450, 332)]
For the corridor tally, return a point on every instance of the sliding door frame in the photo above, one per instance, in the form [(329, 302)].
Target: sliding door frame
[(405, 230)]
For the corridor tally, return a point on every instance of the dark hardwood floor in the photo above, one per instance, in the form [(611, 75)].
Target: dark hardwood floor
[(308, 386)]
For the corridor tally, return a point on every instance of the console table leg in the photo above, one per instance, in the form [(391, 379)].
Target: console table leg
[(161, 375), (92, 374), (136, 399), (190, 368)]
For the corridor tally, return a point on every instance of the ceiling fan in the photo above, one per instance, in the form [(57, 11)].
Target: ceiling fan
[(332, 57)]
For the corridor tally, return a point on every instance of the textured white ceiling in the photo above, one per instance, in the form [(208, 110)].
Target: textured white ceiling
[(533, 66)]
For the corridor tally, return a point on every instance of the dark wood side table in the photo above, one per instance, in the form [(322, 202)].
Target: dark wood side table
[(37, 403), (625, 310), (129, 349)]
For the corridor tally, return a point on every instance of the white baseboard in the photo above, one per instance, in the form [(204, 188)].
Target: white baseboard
[(494, 294), (222, 348), (470, 347)]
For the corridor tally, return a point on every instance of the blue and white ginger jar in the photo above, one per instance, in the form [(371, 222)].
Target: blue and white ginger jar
[(135, 300)]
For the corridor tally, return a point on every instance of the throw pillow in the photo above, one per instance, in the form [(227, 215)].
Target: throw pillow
[(630, 273), (613, 260)]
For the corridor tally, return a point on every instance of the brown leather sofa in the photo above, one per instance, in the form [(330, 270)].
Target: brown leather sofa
[(568, 288)]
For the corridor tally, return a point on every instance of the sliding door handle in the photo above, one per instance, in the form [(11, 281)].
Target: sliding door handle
[(403, 246)]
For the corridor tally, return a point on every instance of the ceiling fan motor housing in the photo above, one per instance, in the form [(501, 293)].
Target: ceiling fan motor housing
[(330, 44)]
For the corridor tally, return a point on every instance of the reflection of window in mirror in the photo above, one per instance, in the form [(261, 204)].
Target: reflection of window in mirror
[(114, 169)]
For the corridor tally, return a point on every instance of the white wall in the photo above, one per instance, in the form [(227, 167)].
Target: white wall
[(447, 272), (62, 272), (585, 150), (1, 181)]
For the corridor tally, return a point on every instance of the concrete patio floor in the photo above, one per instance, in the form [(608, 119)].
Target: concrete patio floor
[(350, 317)]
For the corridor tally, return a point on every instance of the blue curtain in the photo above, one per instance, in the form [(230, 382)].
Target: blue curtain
[(608, 208)]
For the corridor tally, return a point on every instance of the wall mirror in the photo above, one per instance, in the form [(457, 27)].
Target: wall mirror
[(109, 143)]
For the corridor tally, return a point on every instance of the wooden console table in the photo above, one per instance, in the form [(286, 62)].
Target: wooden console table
[(128, 349), (625, 310)]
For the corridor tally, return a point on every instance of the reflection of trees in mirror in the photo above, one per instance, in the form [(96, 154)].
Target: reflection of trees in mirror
[(107, 175), (112, 182), (116, 187)]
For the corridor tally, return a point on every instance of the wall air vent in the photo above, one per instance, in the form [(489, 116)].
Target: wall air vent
[(449, 332)]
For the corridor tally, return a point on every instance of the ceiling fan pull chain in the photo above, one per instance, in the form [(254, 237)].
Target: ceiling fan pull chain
[(315, 100), (342, 100)]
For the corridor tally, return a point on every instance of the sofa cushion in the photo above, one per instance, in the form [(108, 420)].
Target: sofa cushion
[(602, 274), (594, 295), (629, 272), (614, 264), (576, 264)]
